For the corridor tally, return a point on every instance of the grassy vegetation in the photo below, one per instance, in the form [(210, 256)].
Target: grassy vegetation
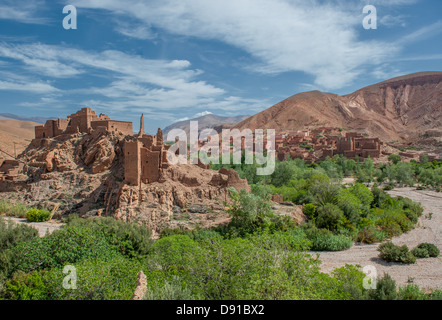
[(202, 264), (258, 255), (13, 209)]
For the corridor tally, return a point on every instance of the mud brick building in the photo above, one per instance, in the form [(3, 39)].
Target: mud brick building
[(145, 156), (356, 145), (82, 122)]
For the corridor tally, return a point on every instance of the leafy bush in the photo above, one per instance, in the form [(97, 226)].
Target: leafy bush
[(411, 292), (129, 238), (370, 234), (16, 209), (11, 234), (38, 215), (391, 253), (420, 253), (428, 250), (329, 217), (394, 158), (25, 286), (362, 193), (97, 279), (309, 210), (113, 279), (253, 211), (324, 240), (62, 247), (385, 289), (172, 290), (352, 279), (292, 240)]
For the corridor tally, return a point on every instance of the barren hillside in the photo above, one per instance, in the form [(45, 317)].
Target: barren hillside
[(15, 132), (402, 108)]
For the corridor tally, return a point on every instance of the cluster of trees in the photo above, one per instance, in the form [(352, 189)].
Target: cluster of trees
[(395, 173), (200, 264)]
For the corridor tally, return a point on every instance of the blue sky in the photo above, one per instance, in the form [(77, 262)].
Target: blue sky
[(174, 59)]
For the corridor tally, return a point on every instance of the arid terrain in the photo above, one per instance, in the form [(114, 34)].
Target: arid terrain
[(15, 132)]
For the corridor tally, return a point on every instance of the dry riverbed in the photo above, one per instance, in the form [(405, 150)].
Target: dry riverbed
[(426, 273)]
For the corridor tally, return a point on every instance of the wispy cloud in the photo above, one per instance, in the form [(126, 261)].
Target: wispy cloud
[(22, 11), (314, 37), (130, 81), (421, 34), (30, 86)]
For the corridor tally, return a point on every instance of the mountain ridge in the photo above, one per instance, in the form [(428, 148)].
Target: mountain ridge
[(400, 108)]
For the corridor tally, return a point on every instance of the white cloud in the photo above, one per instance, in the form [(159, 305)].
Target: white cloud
[(421, 34), (22, 11), (131, 81), (135, 30), (310, 36), (31, 86)]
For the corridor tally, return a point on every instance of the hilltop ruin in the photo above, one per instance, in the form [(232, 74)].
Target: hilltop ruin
[(92, 165)]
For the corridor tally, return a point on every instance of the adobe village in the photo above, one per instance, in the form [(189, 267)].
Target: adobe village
[(342, 192)]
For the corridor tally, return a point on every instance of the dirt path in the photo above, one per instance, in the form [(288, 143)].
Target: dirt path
[(42, 227), (427, 273)]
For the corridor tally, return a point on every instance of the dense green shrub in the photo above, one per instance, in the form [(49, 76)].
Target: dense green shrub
[(113, 279), (129, 238), (251, 212), (420, 253), (38, 215), (353, 208), (385, 289), (411, 292), (352, 279), (325, 240), (97, 279), (62, 247), (430, 249), (363, 193), (16, 209), (392, 253), (25, 286), (293, 240), (370, 234), (11, 234), (309, 210), (393, 221), (329, 217), (172, 290)]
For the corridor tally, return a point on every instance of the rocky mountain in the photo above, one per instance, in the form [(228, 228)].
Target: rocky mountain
[(402, 109), (205, 122)]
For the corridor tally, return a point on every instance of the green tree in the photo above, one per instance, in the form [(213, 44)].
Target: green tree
[(394, 158)]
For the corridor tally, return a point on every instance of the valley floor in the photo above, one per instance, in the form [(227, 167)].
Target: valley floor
[(427, 273)]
